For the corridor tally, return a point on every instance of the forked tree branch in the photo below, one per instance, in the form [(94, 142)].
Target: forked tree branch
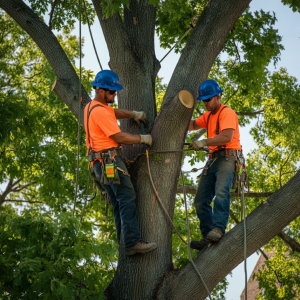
[(275, 214), (114, 33), (295, 246), (67, 84)]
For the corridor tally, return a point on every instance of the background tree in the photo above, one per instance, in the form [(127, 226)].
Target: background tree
[(251, 43)]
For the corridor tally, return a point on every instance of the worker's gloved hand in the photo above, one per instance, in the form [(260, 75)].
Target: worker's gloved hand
[(146, 139), (197, 145), (139, 116)]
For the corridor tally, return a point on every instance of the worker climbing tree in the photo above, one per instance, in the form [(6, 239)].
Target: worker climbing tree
[(137, 150), (217, 178), (102, 140)]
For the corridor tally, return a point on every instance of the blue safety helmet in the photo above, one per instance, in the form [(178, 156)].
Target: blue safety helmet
[(209, 88), (107, 79)]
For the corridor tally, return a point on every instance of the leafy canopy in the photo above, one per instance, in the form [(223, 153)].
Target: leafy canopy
[(46, 252)]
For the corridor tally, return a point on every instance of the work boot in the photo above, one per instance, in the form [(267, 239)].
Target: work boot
[(141, 247), (215, 235), (199, 245)]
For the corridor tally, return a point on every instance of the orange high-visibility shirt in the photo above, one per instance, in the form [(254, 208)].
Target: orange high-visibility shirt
[(228, 120), (102, 124)]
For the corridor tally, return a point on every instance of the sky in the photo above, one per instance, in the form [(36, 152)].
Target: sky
[(288, 25)]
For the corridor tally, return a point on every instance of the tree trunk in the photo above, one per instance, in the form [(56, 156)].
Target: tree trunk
[(131, 47)]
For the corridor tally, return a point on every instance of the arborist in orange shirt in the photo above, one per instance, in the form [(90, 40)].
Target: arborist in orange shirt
[(223, 139), (103, 141)]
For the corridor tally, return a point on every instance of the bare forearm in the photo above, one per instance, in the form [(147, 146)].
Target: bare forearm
[(221, 139), (126, 138), (193, 125), (122, 113)]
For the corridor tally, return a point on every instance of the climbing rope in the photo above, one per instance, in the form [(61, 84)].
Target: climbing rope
[(192, 24), (245, 228), (79, 110), (188, 232), (169, 218), (87, 197), (88, 22)]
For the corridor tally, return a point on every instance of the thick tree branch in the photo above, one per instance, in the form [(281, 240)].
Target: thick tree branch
[(295, 246), (275, 214), (205, 43), (193, 190), (139, 21), (114, 33), (51, 48)]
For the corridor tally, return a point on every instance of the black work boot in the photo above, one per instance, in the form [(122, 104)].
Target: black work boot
[(199, 245)]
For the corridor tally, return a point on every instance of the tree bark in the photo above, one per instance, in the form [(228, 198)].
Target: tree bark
[(132, 57), (168, 132)]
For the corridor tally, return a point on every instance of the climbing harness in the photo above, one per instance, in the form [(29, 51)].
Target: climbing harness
[(188, 232), (88, 22), (79, 110), (192, 24)]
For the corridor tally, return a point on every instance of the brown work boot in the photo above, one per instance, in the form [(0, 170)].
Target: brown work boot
[(199, 245), (215, 235), (141, 247)]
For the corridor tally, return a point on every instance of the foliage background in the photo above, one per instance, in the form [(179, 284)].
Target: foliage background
[(38, 146)]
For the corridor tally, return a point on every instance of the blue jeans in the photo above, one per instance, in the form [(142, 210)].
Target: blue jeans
[(122, 198), (217, 183)]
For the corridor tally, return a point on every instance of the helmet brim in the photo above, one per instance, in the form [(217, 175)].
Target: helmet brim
[(209, 96), (116, 87)]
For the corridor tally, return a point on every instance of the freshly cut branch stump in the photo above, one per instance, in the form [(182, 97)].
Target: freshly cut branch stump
[(186, 98)]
